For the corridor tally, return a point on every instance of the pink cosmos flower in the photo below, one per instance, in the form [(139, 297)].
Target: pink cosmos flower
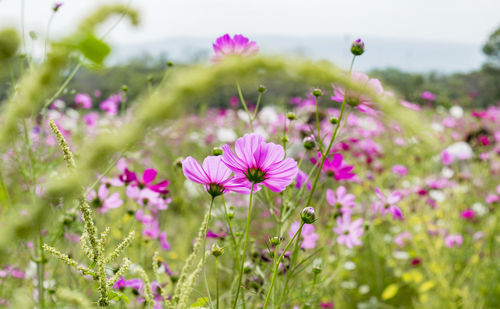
[(302, 178), (400, 170), (387, 204), (102, 201), (453, 240), (410, 105), (238, 45), (133, 283), (428, 96), (400, 239), (349, 233), (259, 162), (214, 175), (468, 214), (340, 199), (83, 100), (493, 198), (109, 106), (336, 167), (91, 119), (362, 102), (148, 177), (308, 236)]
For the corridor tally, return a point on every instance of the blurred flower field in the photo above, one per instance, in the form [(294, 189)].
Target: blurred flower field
[(346, 196)]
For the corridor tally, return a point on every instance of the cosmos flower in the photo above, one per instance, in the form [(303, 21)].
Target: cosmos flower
[(344, 202), (302, 178), (453, 240), (349, 233), (83, 100), (387, 204), (361, 101), (428, 96), (102, 201), (400, 170), (468, 214), (309, 237), (214, 175), (259, 162), (146, 181), (336, 167), (238, 45)]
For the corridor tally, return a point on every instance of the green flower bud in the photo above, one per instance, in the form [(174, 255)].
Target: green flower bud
[(170, 64), (317, 268), (9, 43), (309, 143), (284, 139), (262, 89), (358, 47), (217, 251), (317, 93), (178, 162), (275, 241), (308, 215), (217, 151), (125, 88), (334, 120), (291, 116), (230, 215)]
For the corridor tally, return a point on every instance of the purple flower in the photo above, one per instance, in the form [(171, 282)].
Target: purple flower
[(400, 170), (336, 167), (258, 162), (57, 5), (214, 175), (102, 201), (238, 45), (91, 119), (468, 214), (302, 178), (132, 283), (400, 239), (388, 204), (428, 96), (148, 177), (349, 233), (340, 199), (307, 233), (362, 102), (83, 100), (453, 240)]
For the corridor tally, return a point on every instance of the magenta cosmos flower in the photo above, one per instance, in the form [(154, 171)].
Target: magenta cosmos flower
[(102, 201), (146, 181), (349, 233), (259, 162), (238, 45), (308, 235), (362, 102), (336, 167), (387, 204), (214, 175), (83, 100)]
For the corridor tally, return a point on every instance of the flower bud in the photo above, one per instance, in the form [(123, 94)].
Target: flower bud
[(216, 151), (317, 266), (275, 241), (262, 89), (57, 6), (170, 64), (308, 215), (217, 251), (334, 120), (291, 116), (358, 47), (9, 43), (247, 267), (125, 88), (178, 162), (317, 93), (284, 139), (309, 143), (150, 78), (230, 214)]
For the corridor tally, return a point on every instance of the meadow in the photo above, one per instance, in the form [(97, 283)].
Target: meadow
[(344, 196)]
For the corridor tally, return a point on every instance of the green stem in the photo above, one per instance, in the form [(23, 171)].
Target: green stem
[(320, 143), (277, 264), (242, 100), (293, 259), (217, 281), (334, 135), (203, 248), (257, 106), (240, 276)]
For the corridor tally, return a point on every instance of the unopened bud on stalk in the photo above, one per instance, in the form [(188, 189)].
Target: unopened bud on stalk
[(217, 251), (125, 88), (317, 93), (230, 214), (275, 241), (170, 64), (284, 139), (261, 88), (291, 116), (247, 267), (334, 120), (9, 43), (308, 215), (358, 47), (57, 6), (317, 266), (309, 142), (178, 162), (217, 151)]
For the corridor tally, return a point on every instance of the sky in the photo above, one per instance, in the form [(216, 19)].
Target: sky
[(441, 21)]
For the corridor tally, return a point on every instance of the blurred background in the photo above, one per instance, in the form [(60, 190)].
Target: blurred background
[(445, 46)]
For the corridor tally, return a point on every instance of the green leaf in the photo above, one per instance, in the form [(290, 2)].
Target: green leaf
[(93, 49), (200, 303), (390, 291), (117, 296)]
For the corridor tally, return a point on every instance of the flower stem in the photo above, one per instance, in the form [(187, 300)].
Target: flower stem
[(320, 143), (334, 135), (217, 281), (277, 264), (240, 94), (240, 276)]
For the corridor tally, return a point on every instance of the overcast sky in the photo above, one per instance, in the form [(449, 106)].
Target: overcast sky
[(462, 21)]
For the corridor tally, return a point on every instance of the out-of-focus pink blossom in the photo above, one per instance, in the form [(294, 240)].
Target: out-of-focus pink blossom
[(453, 240), (428, 96), (309, 237), (468, 214), (361, 101), (387, 204), (83, 100), (239, 45), (399, 170), (340, 199), (349, 233)]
